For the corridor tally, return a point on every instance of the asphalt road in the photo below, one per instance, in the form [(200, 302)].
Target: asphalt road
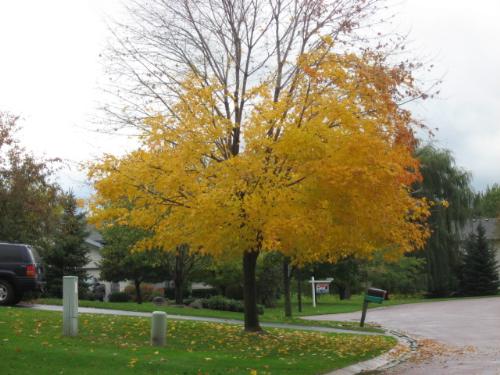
[(457, 337)]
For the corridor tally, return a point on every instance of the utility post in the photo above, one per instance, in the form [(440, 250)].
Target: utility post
[(70, 305), (158, 328)]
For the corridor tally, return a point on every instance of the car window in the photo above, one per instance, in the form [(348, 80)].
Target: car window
[(10, 253), (35, 255)]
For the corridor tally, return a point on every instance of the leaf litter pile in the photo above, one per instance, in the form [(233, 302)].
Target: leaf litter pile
[(428, 350)]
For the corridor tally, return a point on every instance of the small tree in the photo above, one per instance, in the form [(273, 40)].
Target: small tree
[(120, 262), (68, 256), (287, 293), (269, 276), (347, 277), (480, 274), (183, 267), (226, 277)]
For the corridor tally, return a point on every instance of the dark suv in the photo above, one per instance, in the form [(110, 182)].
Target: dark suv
[(21, 270)]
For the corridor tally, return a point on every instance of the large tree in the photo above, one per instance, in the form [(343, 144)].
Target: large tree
[(263, 128), (29, 205), (325, 171), (449, 186)]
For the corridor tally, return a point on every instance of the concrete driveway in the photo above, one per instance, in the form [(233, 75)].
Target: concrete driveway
[(458, 337)]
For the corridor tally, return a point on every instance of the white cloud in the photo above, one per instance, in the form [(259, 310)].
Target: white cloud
[(464, 39)]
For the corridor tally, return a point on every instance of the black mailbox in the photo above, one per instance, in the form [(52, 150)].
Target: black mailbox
[(372, 295), (375, 295)]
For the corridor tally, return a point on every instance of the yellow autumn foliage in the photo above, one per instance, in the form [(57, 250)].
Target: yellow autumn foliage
[(321, 173)]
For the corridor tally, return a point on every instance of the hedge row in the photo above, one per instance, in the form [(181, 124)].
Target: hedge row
[(223, 304)]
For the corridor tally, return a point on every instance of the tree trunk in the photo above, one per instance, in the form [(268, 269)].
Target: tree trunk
[(178, 279), (344, 292), (341, 290), (286, 287), (348, 292), (138, 294), (299, 289), (178, 292), (250, 291)]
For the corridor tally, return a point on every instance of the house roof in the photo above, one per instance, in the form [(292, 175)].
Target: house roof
[(491, 228), (93, 243), (94, 238)]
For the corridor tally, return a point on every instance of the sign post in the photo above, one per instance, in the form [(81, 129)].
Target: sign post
[(313, 291), (319, 287)]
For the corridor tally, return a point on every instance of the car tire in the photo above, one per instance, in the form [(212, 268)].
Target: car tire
[(7, 293)]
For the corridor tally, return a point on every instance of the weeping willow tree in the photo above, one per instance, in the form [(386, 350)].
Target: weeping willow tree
[(450, 187)]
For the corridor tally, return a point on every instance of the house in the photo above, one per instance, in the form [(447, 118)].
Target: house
[(95, 243), (492, 232)]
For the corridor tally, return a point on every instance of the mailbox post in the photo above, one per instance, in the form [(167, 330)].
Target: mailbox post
[(372, 295)]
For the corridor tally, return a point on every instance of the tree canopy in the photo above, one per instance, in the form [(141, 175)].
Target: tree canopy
[(265, 126), (325, 172)]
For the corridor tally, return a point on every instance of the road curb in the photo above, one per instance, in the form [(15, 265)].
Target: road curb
[(400, 353)]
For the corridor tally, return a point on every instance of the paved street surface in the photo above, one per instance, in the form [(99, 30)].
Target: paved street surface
[(456, 337)]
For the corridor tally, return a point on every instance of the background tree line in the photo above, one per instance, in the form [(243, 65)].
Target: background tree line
[(35, 210)]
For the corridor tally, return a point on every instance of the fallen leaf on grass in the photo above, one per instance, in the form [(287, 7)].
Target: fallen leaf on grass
[(132, 362)]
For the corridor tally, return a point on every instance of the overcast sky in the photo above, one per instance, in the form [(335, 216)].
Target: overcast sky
[(50, 73)]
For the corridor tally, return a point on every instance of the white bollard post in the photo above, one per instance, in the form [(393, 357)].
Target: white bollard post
[(70, 305), (158, 328)]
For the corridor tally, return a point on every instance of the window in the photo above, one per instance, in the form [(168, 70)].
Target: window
[(14, 254)]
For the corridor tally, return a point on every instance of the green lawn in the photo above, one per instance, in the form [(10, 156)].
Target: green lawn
[(31, 342), (327, 305)]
